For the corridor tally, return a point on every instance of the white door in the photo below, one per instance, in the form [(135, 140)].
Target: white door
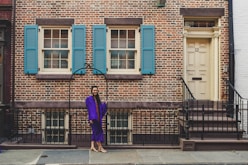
[(197, 68)]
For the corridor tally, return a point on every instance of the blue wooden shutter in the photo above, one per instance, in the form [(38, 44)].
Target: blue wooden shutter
[(30, 49), (147, 49), (78, 48), (99, 49)]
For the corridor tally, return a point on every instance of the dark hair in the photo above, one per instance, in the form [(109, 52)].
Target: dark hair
[(97, 96)]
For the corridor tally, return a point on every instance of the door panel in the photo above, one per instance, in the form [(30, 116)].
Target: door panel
[(197, 67)]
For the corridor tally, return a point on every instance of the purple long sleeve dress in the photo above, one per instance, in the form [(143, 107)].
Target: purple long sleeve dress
[(92, 107)]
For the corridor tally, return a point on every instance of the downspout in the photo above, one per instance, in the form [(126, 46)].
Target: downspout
[(13, 57), (231, 44), (231, 69)]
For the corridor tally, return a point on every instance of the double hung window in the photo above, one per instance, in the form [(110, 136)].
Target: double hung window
[(55, 50), (123, 50)]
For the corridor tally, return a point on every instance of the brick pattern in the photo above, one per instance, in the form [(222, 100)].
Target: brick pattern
[(163, 86)]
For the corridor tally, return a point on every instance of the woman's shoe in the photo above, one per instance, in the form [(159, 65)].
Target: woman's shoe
[(102, 150), (93, 149)]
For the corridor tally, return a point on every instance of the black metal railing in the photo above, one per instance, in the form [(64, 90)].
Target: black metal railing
[(211, 119), (133, 127), (187, 100), (237, 107)]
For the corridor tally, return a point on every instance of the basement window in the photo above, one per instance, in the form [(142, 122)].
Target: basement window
[(55, 126), (119, 127)]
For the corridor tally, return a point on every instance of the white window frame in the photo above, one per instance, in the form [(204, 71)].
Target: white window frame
[(41, 49), (65, 127), (128, 128), (137, 64)]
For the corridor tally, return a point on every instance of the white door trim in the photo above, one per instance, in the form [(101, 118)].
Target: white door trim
[(214, 70)]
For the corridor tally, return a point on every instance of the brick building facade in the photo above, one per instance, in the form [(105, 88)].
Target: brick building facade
[(143, 49)]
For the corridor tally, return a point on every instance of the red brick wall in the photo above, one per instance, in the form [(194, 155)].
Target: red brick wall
[(5, 2), (163, 86)]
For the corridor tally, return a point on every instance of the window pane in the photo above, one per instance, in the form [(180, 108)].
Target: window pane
[(112, 123), (47, 43), (48, 122), (55, 43), (130, 54), (47, 33), (55, 123), (55, 33), (114, 59), (64, 43), (55, 114), (123, 34), (64, 53), (131, 64), (64, 33), (131, 34), (47, 64), (114, 43), (122, 55), (123, 43), (64, 64), (131, 44), (61, 123), (114, 33), (55, 63)]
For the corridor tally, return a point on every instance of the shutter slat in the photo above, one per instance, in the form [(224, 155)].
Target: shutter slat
[(30, 49), (99, 49), (147, 49), (78, 49)]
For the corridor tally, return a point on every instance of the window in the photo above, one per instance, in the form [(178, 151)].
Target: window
[(55, 127), (200, 23), (55, 50), (119, 128), (123, 55), (124, 50)]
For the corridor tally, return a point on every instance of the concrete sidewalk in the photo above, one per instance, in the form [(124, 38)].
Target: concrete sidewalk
[(122, 157)]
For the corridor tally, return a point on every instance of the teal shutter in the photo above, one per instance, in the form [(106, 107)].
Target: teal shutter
[(99, 49), (147, 49), (30, 49), (78, 48)]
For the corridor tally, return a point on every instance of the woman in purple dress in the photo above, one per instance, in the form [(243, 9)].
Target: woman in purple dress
[(96, 111)]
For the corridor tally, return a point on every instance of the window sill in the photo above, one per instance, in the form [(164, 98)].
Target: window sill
[(123, 77), (54, 76)]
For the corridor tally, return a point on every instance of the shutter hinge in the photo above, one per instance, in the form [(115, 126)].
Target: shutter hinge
[(70, 69), (139, 30), (139, 69), (107, 69), (106, 30), (38, 69)]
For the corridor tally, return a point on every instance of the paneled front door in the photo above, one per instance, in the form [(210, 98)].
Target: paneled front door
[(197, 67)]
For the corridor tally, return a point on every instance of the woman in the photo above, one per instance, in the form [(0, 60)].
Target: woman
[(96, 111)]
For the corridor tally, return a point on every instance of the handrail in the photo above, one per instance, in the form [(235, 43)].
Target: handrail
[(186, 99), (230, 85), (188, 90)]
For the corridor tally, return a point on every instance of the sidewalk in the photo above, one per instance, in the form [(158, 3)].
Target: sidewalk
[(122, 157)]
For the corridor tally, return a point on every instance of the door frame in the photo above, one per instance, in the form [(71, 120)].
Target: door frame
[(212, 33)]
